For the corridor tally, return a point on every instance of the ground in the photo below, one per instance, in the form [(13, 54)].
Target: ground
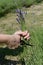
[(34, 23)]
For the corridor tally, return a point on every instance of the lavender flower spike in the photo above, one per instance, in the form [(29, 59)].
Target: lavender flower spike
[(18, 15), (18, 10), (18, 20)]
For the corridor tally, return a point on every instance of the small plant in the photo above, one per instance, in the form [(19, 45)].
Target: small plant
[(21, 21)]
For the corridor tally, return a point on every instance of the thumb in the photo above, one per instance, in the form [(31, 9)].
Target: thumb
[(19, 32), (22, 33)]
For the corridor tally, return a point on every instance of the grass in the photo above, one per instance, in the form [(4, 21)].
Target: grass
[(34, 22), (10, 5)]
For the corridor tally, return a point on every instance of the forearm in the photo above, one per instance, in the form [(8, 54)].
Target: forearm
[(4, 38)]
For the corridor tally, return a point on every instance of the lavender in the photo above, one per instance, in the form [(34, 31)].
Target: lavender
[(18, 20), (18, 10), (21, 21)]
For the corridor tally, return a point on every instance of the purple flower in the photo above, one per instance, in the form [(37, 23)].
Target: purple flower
[(18, 10), (24, 13), (20, 15)]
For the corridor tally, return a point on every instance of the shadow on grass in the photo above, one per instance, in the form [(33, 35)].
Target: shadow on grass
[(14, 52), (10, 62), (7, 51)]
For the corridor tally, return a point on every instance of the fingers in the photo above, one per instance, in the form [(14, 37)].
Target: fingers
[(24, 33), (27, 36), (19, 32)]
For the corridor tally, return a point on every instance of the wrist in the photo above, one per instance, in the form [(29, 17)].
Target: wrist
[(7, 37)]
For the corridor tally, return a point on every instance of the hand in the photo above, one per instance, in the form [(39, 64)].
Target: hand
[(24, 34), (14, 40)]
